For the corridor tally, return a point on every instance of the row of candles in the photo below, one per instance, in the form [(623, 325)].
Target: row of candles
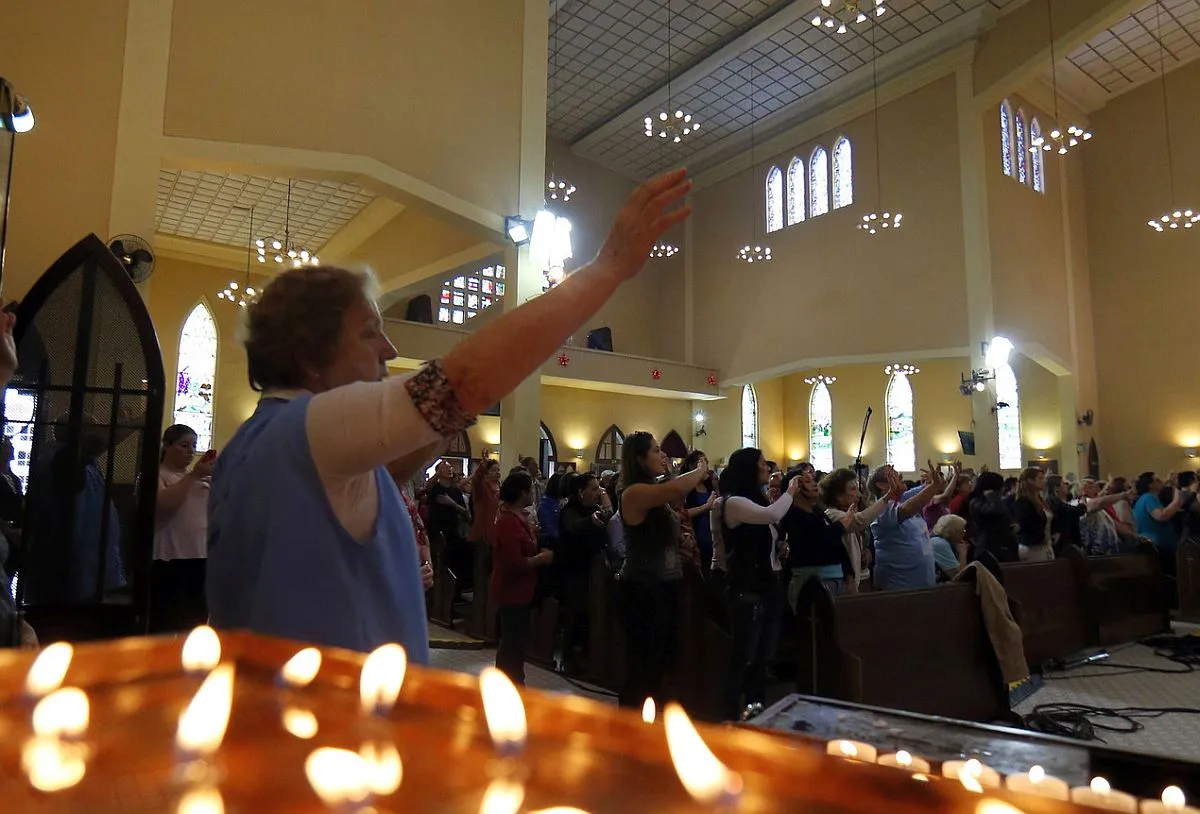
[(54, 758)]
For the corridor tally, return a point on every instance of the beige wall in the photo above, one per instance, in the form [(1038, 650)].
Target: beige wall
[(832, 291), (382, 80), (1144, 285), (69, 66), (577, 418)]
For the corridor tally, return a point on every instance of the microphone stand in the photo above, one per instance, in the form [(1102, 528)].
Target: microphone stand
[(862, 440)]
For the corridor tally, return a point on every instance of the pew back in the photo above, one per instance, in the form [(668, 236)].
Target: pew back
[(1188, 572), (1127, 597), (1050, 608)]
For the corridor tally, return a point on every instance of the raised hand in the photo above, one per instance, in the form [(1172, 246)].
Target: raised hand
[(935, 475), (646, 215)]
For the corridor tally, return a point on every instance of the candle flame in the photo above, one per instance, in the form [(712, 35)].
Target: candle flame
[(991, 806), (1036, 774), (973, 767), (201, 650), (302, 668), (383, 768), (503, 796), (503, 708), (205, 800), (51, 764), (904, 759), (338, 776), (707, 779), (62, 713), (921, 777), (48, 670), (970, 782), (1100, 786), (848, 749), (649, 713), (1173, 797), (382, 675), (300, 722), (202, 725), (560, 810)]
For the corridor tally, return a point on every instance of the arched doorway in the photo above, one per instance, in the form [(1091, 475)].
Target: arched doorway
[(547, 451), (673, 446), (608, 451)]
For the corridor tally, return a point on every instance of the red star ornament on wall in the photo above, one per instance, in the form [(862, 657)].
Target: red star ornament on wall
[(656, 374), (712, 379), (564, 360)]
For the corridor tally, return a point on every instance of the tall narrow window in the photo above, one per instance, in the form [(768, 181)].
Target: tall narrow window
[(901, 441), (1035, 157), (19, 409), (1008, 418), (774, 199), (196, 380), (818, 183), (1006, 152), (795, 191), (749, 417), (820, 428), (1021, 153), (843, 174)]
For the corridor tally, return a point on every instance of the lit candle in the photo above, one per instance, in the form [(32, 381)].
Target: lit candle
[(50, 762), (382, 768), (504, 711), (504, 795), (903, 760), (201, 800), (381, 678), (1173, 802), (1036, 781), (48, 670), (707, 780), (300, 722), (202, 725), (301, 668), (338, 776), (971, 773), (1099, 794), (648, 711), (62, 714), (201, 650), (852, 750)]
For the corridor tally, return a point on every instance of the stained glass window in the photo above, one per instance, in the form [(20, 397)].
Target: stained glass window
[(795, 191), (774, 200), (843, 174), (19, 407), (901, 440), (1021, 154), (197, 375), (1006, 153), (1008, 418), (749, 417), (461, 294), (818, 183), (1035, 162), (820, 424)]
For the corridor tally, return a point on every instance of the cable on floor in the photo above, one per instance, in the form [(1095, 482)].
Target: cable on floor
[(1081, 721)]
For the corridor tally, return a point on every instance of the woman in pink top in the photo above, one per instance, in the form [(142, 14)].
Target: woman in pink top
[(180, 533)]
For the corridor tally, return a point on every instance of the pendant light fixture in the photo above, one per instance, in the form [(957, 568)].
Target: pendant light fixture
[(820, 378), (756, 251), (881, 220), (1059, 140), (284, 252), (673, 124), (557, 188), (847, 12), (244, 294), (1174, 218)]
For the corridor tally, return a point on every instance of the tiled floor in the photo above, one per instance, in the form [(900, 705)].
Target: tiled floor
[(1176, 736)]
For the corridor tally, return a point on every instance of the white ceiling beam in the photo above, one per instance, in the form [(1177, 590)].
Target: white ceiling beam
[(781, 18)]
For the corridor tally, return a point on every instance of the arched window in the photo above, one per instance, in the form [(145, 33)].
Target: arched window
[(749, 417), (1006, 152), (774, 199), (196, 380), (608, 451), (1035, 158), (1021, 151), (795, 191), (1008, 418), (843, 174), (818, 183), (901, 440), (820, 428), (547, 451)]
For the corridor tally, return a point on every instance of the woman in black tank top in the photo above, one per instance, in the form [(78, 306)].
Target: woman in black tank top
[(652, 576)]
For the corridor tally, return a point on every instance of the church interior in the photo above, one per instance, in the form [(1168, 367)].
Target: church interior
[(919, 251)]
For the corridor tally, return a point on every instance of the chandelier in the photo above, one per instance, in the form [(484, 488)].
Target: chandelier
[(754, 254), (557, 187), (1060, 141), (820, 378), (1172, 219), (559, 190), (285, 252), (901, 369), (665, 124), (664, 250), (874, 223), (848, 11), (757, 252), (244, 294)]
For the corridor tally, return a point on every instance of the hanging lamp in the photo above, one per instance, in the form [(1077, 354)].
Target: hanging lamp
[(755, 251), (558, 188), (881, 220), (284, 252), (244, 294), (847, 12), (671, 123), (1175, 218), (1059, 140)]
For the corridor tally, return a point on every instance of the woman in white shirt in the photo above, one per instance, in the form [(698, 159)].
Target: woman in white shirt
[(180, 533)]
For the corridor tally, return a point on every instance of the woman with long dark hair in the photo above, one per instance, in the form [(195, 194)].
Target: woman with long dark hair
[(180, 533), (652, 575), (991, 528), (583, 535), (699, 504), (753, 559), (514, 572)]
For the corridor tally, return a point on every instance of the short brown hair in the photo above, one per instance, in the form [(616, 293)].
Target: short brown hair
[(297, 322), (833, 484)]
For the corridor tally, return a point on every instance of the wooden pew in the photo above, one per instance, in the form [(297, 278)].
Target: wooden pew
[(1126, 596), (439, 600), (924, 651), (543, 634), (1050, 607), (1188, 571), (482, 623), (606, 633)]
